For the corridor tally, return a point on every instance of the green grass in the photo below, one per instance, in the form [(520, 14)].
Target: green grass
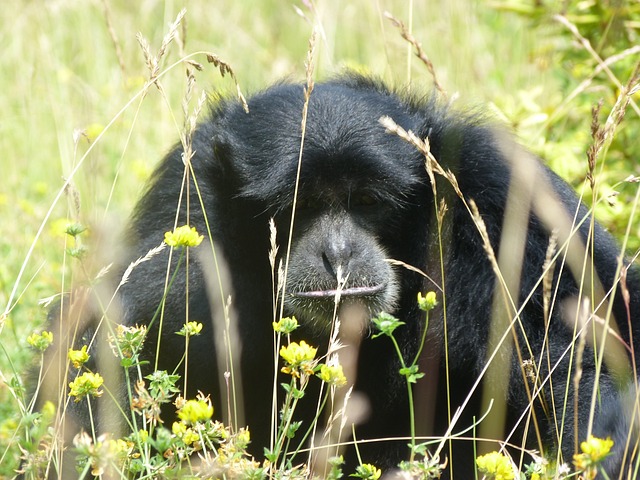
[(63, 81)]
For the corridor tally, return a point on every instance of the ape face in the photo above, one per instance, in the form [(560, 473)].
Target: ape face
[(356, 185)]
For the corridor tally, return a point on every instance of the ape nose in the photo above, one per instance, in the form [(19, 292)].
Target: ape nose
[(336, 256)]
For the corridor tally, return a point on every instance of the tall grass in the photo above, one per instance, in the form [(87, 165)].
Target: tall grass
[(74, 89)]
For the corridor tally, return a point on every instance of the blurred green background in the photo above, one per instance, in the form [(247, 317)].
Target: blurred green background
[(68, 68)]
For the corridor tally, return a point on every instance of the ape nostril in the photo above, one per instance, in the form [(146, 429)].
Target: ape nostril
[(336, 257), (327, 265)]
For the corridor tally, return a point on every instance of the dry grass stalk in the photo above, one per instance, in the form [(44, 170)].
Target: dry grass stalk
[(583, 316), (191, 121), (224, 68), (502, 330), (411, 268), (114, 38), (168, 39), (153, 61), (305, 108), (282, 274), (597, 133), (148, 256), (603, 135), (406, 34), (432, 165), (548, 268)]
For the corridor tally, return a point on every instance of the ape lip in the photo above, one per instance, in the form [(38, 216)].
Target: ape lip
[(345, 292)]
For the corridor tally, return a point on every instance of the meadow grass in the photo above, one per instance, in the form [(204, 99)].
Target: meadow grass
[(72, 69)]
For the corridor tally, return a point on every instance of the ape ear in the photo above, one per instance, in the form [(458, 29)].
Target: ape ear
[(222, 149), (223, 155)]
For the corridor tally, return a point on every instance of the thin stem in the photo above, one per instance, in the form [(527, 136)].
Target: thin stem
[(412, 419)]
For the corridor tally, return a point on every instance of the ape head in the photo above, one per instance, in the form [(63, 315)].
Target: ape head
[(350, 193)]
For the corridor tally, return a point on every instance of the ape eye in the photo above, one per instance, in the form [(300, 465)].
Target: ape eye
[(363, 200), (307, 204)]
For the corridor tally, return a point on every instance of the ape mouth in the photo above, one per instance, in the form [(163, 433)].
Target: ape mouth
[(345, 292)]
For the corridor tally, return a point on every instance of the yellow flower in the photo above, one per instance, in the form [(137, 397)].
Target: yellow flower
[(190, 329), (93, 131), (594, 450), (120, 448), (143, 435), (86, 384), (194, 411), (299, 358), (184, 236), (367, 471), (40, 341), (333, 375), (78, 357), (178, 429), (285, 325), (295, 353), (48, 412), (190, 437), (104, 453), (243, 438), (496, 466), (186, 434), (428, 302), (128, 340)]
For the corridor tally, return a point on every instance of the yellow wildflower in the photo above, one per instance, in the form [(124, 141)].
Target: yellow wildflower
[(40, 341), (428, 302), (93, 131), (178, 428), (367, 471), (496, 466), (143, 435), (243, 438), (86, 384), (299, 358), (190, 329), (186, 434), (184, 236), (78, 357), (128, 340), (285, 325), (333, 375), (194, 411), (594, 450)]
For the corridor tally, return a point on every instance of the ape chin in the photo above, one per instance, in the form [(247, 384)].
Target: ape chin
[(363, 218)]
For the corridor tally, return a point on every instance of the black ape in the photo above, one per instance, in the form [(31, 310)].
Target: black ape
[(365, 197)]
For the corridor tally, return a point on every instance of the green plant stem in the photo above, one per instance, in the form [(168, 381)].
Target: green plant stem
[(160, 309), (311, 426), (289, 407), (186, 361), (85, 471), (423, 339), (412, 415)]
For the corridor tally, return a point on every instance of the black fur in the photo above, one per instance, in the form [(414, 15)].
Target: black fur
[(364, 197)]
